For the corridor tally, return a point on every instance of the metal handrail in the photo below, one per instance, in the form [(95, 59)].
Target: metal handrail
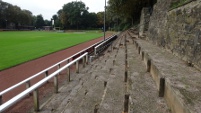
[(45, 70), (17, 98), (103, 43)]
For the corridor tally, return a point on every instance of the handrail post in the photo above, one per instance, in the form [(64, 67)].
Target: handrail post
[(68, 74), (36, 100), (1, 99), (46, 73), (94, 51), (58, 67), (28, 85), (83, 61), (56, 87), (87, 57), (77, 67)]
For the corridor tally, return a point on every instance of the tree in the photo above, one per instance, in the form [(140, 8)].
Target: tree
[(57, 21), (128, 11), (100, 19), (39, 21), (15, 15), (47, 23), (72, 13)]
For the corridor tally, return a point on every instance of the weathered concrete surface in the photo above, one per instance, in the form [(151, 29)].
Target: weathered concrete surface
[(100, 87), (178, 30), (182, 86), (143, 91), (144, 21), (113, 99)]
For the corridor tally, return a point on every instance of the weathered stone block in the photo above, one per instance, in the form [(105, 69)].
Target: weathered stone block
[(178, 30)]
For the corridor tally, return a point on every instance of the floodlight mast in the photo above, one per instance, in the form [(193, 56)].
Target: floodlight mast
[(104, 19)]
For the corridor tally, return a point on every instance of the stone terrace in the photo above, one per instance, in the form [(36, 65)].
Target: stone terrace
[(133, 76), (115, 82)]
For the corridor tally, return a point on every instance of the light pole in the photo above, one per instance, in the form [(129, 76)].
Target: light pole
[(104, 19)]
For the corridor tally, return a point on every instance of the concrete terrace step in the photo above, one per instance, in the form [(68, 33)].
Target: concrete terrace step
[(104, 86), (182, 88), (113, 98), (86, 90), (142, 89)]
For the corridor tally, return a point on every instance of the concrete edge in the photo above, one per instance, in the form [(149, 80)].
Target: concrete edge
[(171, 96)]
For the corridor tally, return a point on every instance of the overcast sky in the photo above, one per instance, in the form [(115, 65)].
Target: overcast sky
[(50, 7)]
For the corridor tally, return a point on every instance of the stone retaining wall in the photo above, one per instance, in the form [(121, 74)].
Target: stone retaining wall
[(178, 30), (144, 22)]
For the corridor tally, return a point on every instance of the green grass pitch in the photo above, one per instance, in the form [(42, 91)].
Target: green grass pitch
[(19, 47)]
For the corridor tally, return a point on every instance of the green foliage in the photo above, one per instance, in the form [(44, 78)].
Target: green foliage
[(39, 21), (75, 15), (129, 10), (72, 14), (13, 14), (178, 3), (19, 47)]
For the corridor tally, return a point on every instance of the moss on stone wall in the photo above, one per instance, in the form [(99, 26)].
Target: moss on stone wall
[(178, 3)]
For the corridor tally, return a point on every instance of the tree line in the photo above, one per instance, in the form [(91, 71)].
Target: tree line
[(13, 17), (73, 15), (120, 15)]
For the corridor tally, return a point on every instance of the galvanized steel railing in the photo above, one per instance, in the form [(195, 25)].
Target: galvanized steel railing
[(35, 87), (100, 47), (45, 71)]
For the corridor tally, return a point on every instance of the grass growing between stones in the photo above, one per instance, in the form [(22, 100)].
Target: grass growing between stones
[(178, 3), (19, 47)]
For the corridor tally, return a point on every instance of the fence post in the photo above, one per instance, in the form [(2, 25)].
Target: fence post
[(77, 67), (36, 100), (68, 74), (1, 100), (56, 87)]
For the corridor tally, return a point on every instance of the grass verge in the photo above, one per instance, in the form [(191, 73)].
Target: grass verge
[(19, 47)]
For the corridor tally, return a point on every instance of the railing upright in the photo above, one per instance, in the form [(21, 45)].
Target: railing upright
[(35, 87), (1, 100), (68, 74)]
